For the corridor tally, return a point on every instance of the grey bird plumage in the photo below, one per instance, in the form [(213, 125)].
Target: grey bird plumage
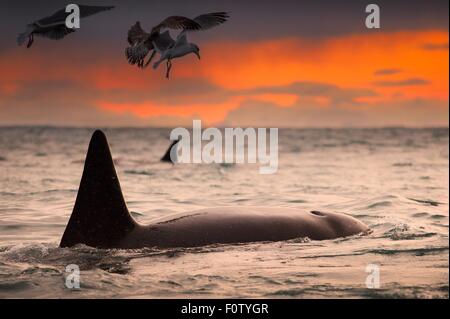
[(143, 44), (54, 27)]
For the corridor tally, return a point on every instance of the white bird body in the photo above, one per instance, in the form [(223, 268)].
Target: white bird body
[(178, 52), (179, 49)]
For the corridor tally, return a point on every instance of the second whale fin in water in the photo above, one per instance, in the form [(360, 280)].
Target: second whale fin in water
[(100, 217), (167, 158)]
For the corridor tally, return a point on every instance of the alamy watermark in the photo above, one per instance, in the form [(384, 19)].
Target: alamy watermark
[(73, 19), (373, 277), (73, 277), (373, 20), (235, 146)]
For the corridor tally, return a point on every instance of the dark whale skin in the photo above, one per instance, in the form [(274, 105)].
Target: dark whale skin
[(101, 219), (232, 225)]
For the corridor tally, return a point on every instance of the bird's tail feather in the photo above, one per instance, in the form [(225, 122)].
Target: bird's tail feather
[(22, 38)]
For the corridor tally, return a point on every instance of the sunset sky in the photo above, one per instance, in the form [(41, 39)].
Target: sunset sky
[(275, 63)]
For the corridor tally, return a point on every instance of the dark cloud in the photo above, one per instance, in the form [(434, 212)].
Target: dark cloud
[(407, 82), (182, 91), (336, 94), (31, 105), (417, 113), (435, 46), (31, 102), (387, 72), (196, 90), (201, 91)]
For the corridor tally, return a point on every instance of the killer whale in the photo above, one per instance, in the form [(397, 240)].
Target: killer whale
[(101, 219), (167, 158)]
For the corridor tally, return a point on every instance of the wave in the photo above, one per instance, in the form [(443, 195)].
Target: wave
[(412, 251), (405, 164), (19, 285), (403, 232), (48, 191), (139, 172), (380, 204), (426, 201), (392, 291), (227, 165)]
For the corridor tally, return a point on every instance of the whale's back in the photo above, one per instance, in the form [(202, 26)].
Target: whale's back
[(229, 225)]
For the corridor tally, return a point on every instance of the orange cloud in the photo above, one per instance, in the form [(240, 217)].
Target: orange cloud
[(413, 64), (210, 113), (8, 89), (349, 61)]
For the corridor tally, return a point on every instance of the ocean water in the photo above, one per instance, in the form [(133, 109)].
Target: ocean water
[(394, 180)]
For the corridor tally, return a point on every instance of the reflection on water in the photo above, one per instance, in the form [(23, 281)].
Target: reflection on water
[(395, 180)]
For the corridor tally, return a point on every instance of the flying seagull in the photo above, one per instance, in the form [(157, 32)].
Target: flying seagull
[(54, 27), (142, 43)]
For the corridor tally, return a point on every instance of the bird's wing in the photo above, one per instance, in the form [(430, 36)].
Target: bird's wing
[(140, 45), (56, 33), (210, 20), (177, 22), (181, 39), (60, 16), (137, 53), (136, 34), (164, 41), (86, 11)]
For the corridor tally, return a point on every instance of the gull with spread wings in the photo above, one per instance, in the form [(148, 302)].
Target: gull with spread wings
[(54, 27), (143, 44)]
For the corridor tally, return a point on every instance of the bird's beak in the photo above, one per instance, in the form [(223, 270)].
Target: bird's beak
[(198, 55)]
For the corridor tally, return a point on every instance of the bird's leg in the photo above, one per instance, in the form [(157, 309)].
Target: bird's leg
[(30, 41), (169, 67)]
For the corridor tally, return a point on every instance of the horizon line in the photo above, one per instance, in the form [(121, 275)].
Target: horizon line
[(138, 127)]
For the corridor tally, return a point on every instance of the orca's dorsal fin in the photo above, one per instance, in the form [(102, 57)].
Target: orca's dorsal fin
[(100, 217), (167, 158)]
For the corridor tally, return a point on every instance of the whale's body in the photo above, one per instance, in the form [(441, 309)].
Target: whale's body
[(101, 219), (229, 225)]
